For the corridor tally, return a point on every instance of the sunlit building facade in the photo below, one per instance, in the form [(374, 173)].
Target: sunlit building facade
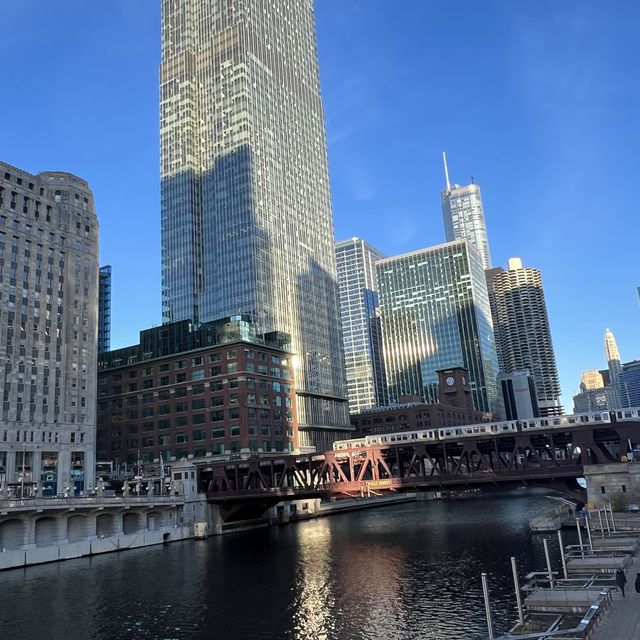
[(247, 226), (361, 324), (522, 330), (48, 332), (435, 315), (463, 216)]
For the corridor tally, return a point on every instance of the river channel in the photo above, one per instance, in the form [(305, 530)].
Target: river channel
[(403, 572)]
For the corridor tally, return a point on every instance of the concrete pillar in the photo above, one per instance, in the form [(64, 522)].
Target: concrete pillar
[(215, 525), (36, 470), (11, 467), (89, 469), (64, 471), (29, 532)]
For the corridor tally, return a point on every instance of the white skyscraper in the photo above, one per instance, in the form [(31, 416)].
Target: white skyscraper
[(247, 226), (361, 329), (463, 216)]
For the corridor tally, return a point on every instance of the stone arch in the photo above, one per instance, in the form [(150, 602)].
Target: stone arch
[(131, 522), (77, 528), (105, 524), (12, 534), (46, 531)]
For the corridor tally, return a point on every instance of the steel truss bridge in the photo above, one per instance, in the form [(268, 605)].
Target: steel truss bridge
[(553, 456)]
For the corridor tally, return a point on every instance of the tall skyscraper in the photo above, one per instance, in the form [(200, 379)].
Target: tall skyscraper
[(615, 368), (522, 330), (463, 216), (247, 226), (361, 330), (630, 384), (104, 309), (48, 332), (435, 315)]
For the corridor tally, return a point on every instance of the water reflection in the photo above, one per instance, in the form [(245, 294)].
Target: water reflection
[(398, 573)]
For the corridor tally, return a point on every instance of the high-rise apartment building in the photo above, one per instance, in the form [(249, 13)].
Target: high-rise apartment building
[(463, 216), (361, 328), (435, 315), (630, 384), (522, 330), (104, 309), (48, 332), (247, 225)]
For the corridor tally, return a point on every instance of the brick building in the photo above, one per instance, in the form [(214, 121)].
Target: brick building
[(455, 408), (185, 392)]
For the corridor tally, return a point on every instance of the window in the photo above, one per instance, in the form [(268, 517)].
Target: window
[(216, 386), (218, 432), (147, 412), (182, 437), (602, 489), (232, 355), (197, 404), (214, 357), (235, 430), (216, 416), (181, 392), (163, 440), (196, 361), (181, 377), (180, 364), (215, 371), (133, 386), (197, 389), (199, 434), (198, 374), (232, 367), (164, 424), (199, 418)]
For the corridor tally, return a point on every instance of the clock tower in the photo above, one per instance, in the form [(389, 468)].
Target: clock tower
[(454, 389)]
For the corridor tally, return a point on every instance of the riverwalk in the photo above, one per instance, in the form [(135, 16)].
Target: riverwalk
[(622, 622)]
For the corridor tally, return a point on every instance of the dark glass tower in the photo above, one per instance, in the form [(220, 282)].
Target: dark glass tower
[(247, 226), (104, 309)]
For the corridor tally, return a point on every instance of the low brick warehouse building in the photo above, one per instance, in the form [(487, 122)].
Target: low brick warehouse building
[(187, 392)]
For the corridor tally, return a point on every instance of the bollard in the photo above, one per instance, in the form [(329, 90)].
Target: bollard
[(580, 536), (546, 555), (487, 608), (516, 584), (586, 519), (564, 561), (601, 523)]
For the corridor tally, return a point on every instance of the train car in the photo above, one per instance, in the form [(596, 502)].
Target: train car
[(632, 414), (403, 436), (356, 443)]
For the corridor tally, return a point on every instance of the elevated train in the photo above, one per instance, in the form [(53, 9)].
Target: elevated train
[(491, 428)]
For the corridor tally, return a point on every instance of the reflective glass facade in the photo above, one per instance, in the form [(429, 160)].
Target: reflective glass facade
[(104, 309), (435, 315), (361, 324), (463, 217), (246, 212)]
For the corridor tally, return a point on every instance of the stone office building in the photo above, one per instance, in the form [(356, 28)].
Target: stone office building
[(196, 392), (48, 332)]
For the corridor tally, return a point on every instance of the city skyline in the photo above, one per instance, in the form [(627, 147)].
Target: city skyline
[(566, 187)]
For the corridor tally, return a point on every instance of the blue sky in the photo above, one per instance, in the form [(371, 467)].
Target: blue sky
[(539, 101)]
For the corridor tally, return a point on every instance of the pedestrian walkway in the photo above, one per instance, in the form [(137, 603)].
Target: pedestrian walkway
[(622, 620)]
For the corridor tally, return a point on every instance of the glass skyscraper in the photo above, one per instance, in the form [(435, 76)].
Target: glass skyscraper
[(104, 309), (247, 226), (463, 216), (435, 315), (361, 328)]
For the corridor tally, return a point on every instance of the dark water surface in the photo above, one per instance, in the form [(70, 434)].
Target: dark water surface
[(405, 572)]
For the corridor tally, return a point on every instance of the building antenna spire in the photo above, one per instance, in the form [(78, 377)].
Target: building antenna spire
[(446, 170)]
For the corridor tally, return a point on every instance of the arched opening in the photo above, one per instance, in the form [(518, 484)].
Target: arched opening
[(131, 523), (46, 532), (11, 534), (77, 528), (105, 525)]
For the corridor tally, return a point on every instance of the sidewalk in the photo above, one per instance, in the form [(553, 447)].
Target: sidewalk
[(622, 621)]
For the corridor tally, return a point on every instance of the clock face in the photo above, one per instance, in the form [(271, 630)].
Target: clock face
[(449, 380)]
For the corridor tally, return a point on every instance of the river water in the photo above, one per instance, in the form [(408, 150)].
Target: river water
[(403, 572)]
